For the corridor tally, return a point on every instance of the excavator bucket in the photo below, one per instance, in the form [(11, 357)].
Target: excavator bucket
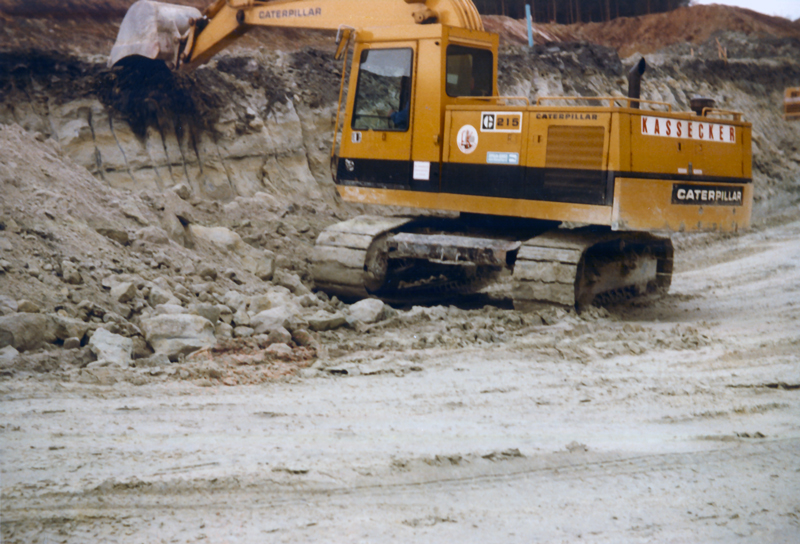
[(153, 30)]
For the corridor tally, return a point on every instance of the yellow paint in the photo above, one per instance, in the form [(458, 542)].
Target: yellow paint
[(646, 205), (551, 211)]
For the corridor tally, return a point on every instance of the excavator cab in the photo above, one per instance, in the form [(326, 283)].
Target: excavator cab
[(399, 91)]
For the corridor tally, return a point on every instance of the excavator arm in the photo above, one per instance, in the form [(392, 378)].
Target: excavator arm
[(183, 36)]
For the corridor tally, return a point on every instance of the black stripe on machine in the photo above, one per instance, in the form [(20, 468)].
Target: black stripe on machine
[(594, 187)]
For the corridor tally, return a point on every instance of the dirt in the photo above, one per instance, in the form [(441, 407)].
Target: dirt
[(674, 420)]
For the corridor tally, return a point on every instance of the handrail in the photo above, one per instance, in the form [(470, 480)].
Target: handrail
[(737, 115), (611, 99), (498, 98)]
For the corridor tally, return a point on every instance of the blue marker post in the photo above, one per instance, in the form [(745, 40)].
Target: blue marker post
[(530, 24)]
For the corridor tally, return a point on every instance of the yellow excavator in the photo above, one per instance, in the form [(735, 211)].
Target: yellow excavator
[(574, 197)]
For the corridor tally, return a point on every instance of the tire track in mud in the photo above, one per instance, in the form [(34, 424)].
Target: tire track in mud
[(120, 499)]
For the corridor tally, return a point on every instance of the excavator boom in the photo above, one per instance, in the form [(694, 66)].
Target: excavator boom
[(182, 35)]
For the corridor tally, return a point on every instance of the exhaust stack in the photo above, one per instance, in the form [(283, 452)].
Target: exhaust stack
[(635, 81)]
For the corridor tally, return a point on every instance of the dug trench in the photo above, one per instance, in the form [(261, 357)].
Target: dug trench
[(178, 212)]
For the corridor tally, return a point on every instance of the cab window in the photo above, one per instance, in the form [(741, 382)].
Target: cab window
[(383, 95), (469, 71)]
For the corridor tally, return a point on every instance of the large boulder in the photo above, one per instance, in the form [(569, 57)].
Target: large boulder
[(65, 327), (203, 309), (25, 331), (368, 310), (176, 335), (272, 319), (257, 262), (111, 348), (323, 321)]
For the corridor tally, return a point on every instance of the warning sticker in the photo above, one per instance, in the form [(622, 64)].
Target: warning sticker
[(467, 139)]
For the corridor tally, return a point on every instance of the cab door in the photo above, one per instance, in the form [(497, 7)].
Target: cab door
[(376, 137)]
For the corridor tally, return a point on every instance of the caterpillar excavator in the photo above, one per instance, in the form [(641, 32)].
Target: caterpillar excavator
[(574, 197)]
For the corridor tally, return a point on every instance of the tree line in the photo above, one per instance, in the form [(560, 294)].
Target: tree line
[(574, 11)]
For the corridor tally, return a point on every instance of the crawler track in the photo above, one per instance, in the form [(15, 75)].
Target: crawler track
[(583, 267)]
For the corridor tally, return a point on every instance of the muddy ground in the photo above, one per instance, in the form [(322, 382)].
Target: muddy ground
[(674, 422)]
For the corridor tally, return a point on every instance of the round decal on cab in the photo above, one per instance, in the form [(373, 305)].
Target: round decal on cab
[(467, 139)]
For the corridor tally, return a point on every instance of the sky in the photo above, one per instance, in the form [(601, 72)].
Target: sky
[(784, 8)]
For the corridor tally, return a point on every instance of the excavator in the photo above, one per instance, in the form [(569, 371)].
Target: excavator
[(572, 198)]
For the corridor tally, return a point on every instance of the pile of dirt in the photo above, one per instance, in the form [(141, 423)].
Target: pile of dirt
[(646, 34)]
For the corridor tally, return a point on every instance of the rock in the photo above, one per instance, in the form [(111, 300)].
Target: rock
[(242, 332), (118, 235), (323, 321), (225, 313), (141, 349), (63, 328), (176, 335), (90, 309), (170, 309), (111, 348), (259, 303), (70, 274), (368, 310), (209, 311), (233, 300), (271, 319), (188, 268), (8, 355), (308, 301), (208, 271), (296, 322), (279, 336), (152, 236), (25, 331), (241, 318), (155, 360), (27, 307), (159, 295), (303, 338), (72, 343), (8, 305), (123, 292), (221, 237), (260, 263), (291, 282), (223, 330), (182, 190), (282, 350)]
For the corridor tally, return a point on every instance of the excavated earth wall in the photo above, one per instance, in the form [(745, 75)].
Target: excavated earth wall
[(262, 121)]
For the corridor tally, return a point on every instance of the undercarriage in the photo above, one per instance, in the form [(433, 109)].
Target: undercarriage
[(408, 260)]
